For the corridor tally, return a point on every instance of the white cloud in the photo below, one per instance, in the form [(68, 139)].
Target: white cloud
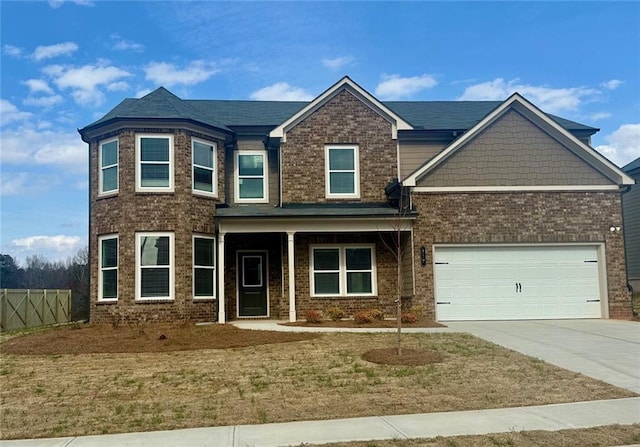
[(26, 183), (338, 62), (612, 84), (10, 113), (42, 101), (38, 86), (394, 86), (551, 100), (60, 245), (28, 145), (281, 91), (164, 73), (57, 3), (50, 51), (118, 86), (143, 92), (85, 81), (119, 44), (11, 50), (623, 144), (599, 116)]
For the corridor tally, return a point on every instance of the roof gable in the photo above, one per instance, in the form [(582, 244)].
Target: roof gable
[(540, 119), (344, 84)]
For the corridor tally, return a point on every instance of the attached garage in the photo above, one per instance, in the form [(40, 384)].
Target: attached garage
[(514, 282)]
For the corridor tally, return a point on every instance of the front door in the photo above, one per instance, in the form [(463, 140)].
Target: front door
[(252, 284)]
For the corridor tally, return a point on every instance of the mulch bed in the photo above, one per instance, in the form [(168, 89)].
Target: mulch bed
[(407, 356)]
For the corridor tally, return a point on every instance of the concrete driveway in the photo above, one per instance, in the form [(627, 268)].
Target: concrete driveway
[(608, 350)]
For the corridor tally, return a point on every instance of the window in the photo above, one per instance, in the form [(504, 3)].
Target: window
[(251, 177), (154, 261), (343, 270), (204, 167), (204, 267), (342, 174), (108, 167), (154, 155), (108, 274)]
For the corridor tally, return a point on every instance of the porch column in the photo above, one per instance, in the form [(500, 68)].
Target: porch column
[(292, 276), (221, 311)]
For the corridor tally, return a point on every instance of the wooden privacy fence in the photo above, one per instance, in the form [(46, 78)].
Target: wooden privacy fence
[(21, 309)]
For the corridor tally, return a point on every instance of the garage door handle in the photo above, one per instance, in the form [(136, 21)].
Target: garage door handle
[(593, 301), (443, 302)]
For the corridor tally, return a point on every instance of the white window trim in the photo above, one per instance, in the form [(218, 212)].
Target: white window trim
[(342, 259), (214, 175), (213, 269), (101, 191), (139, 187), (265, 177), (356, 172), (102, 269), (139, 236)]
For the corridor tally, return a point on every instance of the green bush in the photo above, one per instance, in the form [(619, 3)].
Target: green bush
[(336, 313), (313, 316)]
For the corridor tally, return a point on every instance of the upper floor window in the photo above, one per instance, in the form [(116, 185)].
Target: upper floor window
[(154, 157), (204, 167), (342, 176), (154, 266), (108, 273), (251, 177), (344, 270), (108, 156), (204, 267)]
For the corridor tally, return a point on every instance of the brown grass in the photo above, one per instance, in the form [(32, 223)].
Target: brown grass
[(605, 436), (108, 390)]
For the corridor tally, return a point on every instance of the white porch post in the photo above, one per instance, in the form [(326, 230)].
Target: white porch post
[(221, 311), (292, 275)]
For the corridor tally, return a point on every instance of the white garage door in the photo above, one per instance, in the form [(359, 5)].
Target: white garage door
[(516, 282)]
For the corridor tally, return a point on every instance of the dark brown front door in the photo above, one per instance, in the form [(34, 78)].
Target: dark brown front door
[(252, 284)]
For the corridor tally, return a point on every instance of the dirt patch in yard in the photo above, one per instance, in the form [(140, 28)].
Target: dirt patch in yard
[(406, 356), (94, 339)]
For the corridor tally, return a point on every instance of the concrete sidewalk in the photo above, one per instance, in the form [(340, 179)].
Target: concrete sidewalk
[(429, 425)]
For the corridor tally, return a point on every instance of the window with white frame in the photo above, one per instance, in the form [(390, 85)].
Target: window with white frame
[(108, 274), (108, 156), (154, 158), (154, 266), (204, 167), (251, 177), (204, 267), (342, 171), (343, 270)]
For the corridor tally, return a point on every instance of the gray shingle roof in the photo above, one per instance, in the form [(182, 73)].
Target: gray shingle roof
[(314, 210), (222, 114), (633, 166)]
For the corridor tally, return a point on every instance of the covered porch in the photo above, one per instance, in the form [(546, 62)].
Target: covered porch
[(279, 262)]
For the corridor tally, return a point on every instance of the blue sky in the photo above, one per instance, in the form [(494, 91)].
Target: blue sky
[(66, 63)]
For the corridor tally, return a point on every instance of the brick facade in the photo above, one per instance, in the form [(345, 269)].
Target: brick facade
[(343, 120), (521, 218), (180, 212)]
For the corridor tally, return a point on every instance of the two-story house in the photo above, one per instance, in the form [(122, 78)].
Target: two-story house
[(217, 209)]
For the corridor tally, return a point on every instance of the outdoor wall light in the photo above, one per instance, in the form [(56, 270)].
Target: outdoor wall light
[(423, 256), (614, 229)]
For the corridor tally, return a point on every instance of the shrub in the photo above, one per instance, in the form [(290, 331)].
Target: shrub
[(336, 313), (418, 311), (313, 316), (377, 314), (363, 317), (408, 317)]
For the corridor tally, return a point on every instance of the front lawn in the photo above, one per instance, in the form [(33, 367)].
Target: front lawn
[(96, 379)]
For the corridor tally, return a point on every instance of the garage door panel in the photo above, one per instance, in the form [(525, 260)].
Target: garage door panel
[(523, 282)]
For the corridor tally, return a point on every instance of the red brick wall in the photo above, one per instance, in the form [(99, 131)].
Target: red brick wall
[(129, 212), (343, 120), (498, 218)]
